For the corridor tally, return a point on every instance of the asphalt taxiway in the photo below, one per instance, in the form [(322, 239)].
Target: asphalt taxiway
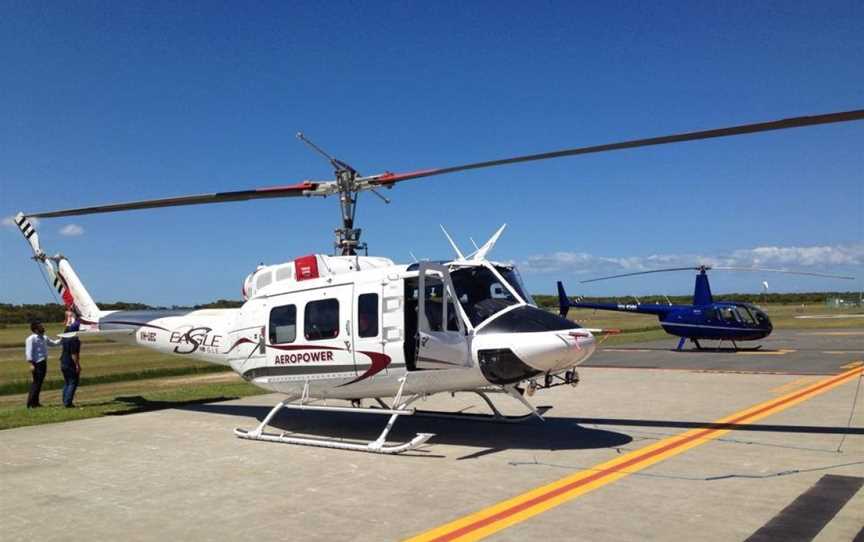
[(803, 352), (722, 448)]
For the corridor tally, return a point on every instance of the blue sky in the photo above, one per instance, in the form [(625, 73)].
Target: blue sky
[(108, 101)]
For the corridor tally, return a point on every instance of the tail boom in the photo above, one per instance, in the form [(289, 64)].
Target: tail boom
[(63, 278)]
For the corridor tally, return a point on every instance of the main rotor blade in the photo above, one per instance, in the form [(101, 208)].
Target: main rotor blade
[(787, 271), (711, 268), (294, 190), (646, 273), (794, 122)]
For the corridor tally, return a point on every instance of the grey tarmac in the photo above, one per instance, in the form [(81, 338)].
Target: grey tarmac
[(180, 473)]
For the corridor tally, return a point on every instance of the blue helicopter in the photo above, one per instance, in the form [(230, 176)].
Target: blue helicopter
[(705, 319)]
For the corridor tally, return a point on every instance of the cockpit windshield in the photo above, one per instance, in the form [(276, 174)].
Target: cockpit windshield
[(745, 315), (481, 292), (512, 276), (761, 317)]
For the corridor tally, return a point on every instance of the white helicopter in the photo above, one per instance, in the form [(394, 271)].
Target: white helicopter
[(353, 327)]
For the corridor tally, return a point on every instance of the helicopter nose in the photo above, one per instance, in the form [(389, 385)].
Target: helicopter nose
[(555, 351)]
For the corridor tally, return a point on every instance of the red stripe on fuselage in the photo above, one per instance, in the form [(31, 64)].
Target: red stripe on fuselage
[(379, 361)]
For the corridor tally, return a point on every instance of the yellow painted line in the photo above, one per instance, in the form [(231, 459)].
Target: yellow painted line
[(780, 352), (834, 333), (852, 365), (499, 516), (795, 384)]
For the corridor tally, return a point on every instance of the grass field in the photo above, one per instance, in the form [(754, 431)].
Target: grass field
[(118, 379), (124, 398), (645, 327), (115, 379), (101, 362)]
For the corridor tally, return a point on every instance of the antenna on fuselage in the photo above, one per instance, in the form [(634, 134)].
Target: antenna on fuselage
[(459, 254), (487, 247)]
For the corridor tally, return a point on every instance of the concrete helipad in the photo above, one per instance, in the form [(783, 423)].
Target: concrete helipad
[(181, 474)]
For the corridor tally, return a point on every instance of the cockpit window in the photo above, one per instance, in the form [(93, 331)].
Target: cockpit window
[(745, 315), (481, 293), (761, 317), (511, 275)]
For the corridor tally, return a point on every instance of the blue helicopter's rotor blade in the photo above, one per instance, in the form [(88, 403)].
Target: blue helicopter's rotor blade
[(786, 271), (692, 268)]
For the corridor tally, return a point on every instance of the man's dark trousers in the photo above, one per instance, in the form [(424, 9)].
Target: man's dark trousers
[(39, 370), (70, 375)]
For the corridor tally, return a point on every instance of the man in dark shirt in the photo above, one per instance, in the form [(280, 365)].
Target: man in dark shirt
[(70, 364)]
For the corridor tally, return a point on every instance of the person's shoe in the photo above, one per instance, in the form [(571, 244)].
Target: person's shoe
[(70, 405)]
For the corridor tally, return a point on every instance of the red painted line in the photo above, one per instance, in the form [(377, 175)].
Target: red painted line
[(638, 459)]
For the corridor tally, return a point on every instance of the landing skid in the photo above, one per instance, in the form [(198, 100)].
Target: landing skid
[(379, 445), (495, 417), (735, 347)]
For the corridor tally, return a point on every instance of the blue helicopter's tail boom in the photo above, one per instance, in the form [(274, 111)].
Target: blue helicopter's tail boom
[(641, 308), (564, 304)]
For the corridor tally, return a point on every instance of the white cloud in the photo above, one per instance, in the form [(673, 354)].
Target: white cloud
[(71, 230), (582, 263), (9, 222), (803, 256)]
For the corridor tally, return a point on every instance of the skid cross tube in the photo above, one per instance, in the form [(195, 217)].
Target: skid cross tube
[(379, 445), (496, 417)]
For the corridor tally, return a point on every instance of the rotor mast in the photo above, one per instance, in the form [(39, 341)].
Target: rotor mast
[(347, 237)]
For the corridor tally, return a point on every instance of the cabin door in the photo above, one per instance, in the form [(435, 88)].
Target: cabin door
[(324, 338), (441, 339), (367, 326)]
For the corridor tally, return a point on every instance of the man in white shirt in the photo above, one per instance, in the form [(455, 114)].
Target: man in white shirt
[(36, 352)]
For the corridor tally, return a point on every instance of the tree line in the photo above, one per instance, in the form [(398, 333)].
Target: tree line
[(53, 312), (807, 298)]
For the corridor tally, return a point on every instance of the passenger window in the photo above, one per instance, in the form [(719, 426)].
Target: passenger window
[(283, 324), (452, 324), (367, 315), (433, 302), (321, 320)]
